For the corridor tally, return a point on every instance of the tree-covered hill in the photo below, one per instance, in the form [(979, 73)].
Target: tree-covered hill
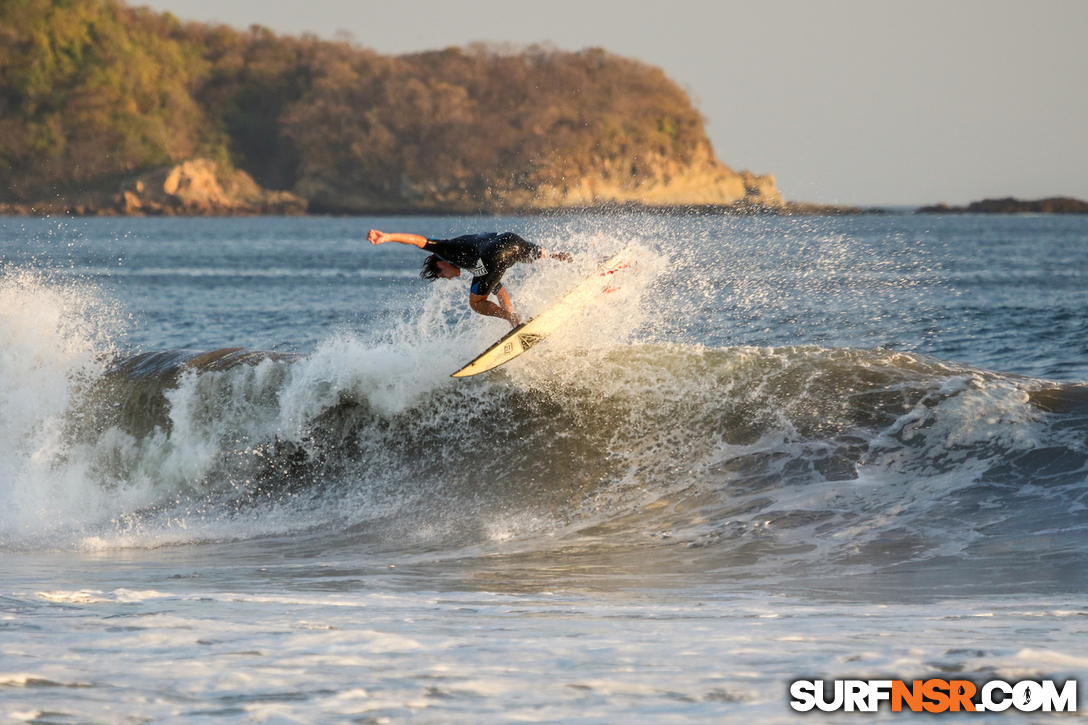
[(92, 90)]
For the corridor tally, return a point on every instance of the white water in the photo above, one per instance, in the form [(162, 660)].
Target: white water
[(379, 650)]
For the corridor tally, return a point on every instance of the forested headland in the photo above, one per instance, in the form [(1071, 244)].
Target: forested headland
[(107, 108)]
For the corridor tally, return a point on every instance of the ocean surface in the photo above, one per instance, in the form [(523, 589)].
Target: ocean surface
[(238, 485)]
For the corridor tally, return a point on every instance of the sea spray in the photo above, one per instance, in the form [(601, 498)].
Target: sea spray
[(54, 339)]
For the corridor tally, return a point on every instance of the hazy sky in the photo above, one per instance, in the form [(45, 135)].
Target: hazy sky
[(849, 101)]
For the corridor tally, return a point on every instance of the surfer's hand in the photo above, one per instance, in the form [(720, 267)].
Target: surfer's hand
[(376, 237), (561, 256)]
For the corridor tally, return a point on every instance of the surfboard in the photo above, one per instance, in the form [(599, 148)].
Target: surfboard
[(529, 334)]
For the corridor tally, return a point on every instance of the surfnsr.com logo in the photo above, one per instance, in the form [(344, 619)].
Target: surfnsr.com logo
[(933, 695)]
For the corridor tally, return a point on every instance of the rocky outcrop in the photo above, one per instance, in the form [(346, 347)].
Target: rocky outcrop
[(648, 182), (1010, 205), (654, 182), (197, 187)]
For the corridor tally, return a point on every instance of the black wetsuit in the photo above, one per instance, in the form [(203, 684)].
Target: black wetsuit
[(486, 256)]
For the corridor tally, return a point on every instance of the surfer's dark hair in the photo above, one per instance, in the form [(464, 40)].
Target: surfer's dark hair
[(429, 270)]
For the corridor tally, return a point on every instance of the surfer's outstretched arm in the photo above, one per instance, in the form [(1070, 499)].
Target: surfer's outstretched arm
[(377, 237), (505, 310)]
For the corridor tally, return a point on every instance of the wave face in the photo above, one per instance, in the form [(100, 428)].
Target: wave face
[(799, 462)]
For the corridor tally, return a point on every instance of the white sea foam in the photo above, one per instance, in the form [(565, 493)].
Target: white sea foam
[(484, 657), (53, 338)]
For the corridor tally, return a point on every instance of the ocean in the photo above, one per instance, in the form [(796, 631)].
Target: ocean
[(237, 483)]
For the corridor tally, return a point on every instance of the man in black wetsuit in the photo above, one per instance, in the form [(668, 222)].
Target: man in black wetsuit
[(485, 256)]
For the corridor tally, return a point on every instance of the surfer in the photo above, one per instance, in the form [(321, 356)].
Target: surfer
[(485, 256)]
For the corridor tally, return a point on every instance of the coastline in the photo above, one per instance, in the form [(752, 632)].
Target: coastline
[(50, 209), (203, 188)]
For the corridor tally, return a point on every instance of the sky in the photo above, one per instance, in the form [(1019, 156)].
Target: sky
[(868, 102)]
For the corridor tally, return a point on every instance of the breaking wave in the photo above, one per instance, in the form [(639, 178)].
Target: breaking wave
[(798, 460), (850, 458)]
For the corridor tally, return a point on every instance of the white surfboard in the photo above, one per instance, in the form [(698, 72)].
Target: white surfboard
[(528, 334)]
